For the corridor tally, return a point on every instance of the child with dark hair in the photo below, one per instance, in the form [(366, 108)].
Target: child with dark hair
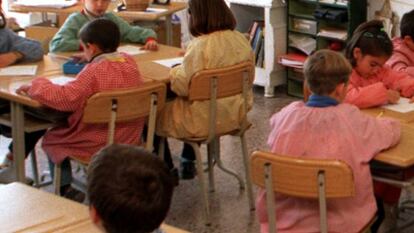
[(403, 57), (325, 128), (107, 70), (216, 44), (129, 190), (67, 39), (371, 83)]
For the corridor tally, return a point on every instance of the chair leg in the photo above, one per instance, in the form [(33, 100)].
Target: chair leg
[(210, 155), (161, 148), (56, 178), (221, 166), (200, 174), (247, 172), (34, 168)]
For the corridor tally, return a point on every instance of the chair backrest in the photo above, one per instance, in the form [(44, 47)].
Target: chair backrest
[(125, 105), (213, 84), (303, 178), (43, 34)]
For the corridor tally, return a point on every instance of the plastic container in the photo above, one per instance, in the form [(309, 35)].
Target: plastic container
[(72, 67)]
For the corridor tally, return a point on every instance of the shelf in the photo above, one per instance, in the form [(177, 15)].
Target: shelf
[(303, 16), (256, 3), (333, 5)]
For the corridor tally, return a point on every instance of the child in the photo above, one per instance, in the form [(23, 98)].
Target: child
[(15, 49), (403, 57), (325, 128), (67, 39), (216, 44), (107, 70), (371, 83), (129, 190)]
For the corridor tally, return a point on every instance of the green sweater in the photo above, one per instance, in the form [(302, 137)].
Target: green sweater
[(67, 38)]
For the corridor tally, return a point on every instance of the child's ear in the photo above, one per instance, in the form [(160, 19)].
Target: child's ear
[(94, 215), (407, 39), (357, 53)]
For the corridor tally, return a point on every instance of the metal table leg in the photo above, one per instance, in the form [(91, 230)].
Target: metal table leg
[(17, 117), (168, 29)]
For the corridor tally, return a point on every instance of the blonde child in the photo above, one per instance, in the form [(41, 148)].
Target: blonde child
[(402, 58), (107, 70), (67, 39), (216, 44), (323, 127), (129, 190), (371, 83)]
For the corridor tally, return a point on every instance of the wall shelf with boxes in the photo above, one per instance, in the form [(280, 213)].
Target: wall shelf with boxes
[(317, 24), (268, 39)]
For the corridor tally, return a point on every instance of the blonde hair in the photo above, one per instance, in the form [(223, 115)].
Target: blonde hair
[(324, 70)]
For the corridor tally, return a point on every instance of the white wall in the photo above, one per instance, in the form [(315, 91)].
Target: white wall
[(398, 6)]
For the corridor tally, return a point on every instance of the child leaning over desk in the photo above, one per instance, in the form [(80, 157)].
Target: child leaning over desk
[(107, 70), (326, 128), (402, 58), (371, 83), (67, 39)]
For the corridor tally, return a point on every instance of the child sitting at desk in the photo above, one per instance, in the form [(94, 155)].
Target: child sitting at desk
[(14, 49), (323, 127), (67, 39), (402, 58), (129, 189), (107, 70), (371, 83), (216, 45)]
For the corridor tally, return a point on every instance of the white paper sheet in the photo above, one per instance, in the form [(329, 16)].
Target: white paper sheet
[(46, 3), (131, 50), (61, 80), (151, 9), (170, 62), (18, 70), (403, 106)]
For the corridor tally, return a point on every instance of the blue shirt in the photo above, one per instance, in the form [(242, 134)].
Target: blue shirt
[(321, 101), (11, 42)]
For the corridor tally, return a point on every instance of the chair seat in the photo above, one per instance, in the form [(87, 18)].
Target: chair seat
[(31, 124)]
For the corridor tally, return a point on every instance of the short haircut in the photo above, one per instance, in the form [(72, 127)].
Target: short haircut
[(130, 188), (371, 38), (324, 70), (207, 16), (102, 32), (407, 25)]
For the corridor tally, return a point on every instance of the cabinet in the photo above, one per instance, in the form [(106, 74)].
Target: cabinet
[(273, 13), (318, 24)]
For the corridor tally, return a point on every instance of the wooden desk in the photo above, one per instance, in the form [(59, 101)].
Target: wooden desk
[(62, 14), (51, 67), (27, 209)]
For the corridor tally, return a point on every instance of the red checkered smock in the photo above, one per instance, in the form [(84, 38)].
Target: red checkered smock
[(106, 72)]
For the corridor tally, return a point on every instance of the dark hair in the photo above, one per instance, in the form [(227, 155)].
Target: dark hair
[(207, 16), (371, 38), (130, 188), (103, 33), (407, 25), (324, 70)]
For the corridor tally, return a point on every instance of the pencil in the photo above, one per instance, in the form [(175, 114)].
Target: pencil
[(380, 114)]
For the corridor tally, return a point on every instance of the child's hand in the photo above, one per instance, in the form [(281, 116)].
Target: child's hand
[(181, 53), (411, 100), (23, 90), (79, 58), (10, 58), (151, 45), (393, 96)]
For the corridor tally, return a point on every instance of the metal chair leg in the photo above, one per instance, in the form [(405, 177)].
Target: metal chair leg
[(34, 169), (200, 174), (210, 155), (56, 178), (247, 172)]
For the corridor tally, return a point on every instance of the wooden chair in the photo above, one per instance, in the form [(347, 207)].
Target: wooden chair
[(302, 178), (211, 85), (42, 33), (117, 106)]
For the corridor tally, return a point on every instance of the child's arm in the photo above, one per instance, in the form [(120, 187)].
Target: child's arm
[(399, 81), (400, 62), (368, 96), (23, 49), (130, 33), (66, 39), (67, 98)]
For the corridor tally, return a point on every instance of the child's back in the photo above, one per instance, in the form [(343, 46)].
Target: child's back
[(325, 128)]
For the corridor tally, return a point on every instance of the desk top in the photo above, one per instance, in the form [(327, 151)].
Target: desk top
[(136, 15), (51, 67), (32, 210)]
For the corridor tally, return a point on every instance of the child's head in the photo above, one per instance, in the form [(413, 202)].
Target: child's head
[(99, 36), (326, 73), (407, 29), (209, 16), (369, 48), (129, 189), (96, 7)]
